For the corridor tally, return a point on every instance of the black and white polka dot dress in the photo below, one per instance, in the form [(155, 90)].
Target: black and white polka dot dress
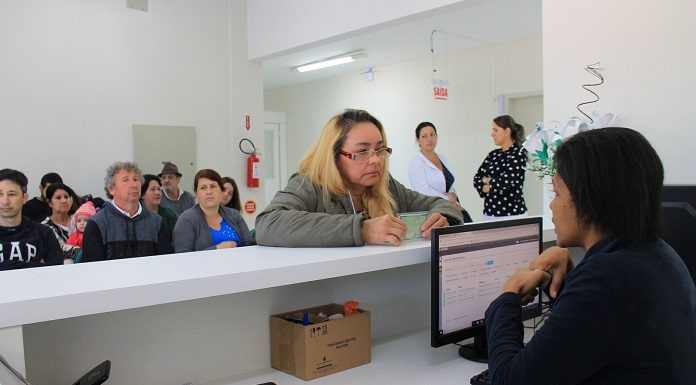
[(506, 168)]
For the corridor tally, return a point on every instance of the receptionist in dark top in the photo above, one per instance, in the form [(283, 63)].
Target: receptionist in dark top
[(626, 314)]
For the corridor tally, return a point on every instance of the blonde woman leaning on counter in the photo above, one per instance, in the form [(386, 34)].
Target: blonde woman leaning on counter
[(343, 194)]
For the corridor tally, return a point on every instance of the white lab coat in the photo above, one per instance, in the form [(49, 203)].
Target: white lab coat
[(426, 178)]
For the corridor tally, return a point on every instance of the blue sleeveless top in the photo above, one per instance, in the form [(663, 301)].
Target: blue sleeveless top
[(226, 233)]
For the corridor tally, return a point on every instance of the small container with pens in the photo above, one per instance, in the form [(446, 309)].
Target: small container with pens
[(315, 342)]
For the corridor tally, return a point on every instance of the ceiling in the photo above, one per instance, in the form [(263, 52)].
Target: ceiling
[(465, 25)]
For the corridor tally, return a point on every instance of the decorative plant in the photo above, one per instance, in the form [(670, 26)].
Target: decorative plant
[(545, 140)]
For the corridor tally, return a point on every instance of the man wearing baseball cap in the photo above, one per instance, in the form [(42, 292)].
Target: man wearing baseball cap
[(173, 197)]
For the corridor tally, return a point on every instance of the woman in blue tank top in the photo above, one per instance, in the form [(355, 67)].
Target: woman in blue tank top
[(209, 225)]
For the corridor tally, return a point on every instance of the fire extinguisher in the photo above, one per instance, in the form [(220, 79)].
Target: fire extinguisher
[(253, 163)]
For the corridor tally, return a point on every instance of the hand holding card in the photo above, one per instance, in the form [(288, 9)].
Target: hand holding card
[(413, 221)]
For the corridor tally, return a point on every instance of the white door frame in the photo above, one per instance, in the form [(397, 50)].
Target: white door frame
[(274, 117)]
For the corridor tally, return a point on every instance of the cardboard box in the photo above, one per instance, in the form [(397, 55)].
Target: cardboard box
[(320, 349)]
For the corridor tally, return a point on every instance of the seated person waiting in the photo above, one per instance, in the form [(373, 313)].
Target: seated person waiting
[(60, 201), (209, 225), (23, 242), (151, 197), (626, 314), (344, 195), (123, 228), (37, 208)]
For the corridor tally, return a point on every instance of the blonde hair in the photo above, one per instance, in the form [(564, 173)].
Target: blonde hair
[(319, 163)]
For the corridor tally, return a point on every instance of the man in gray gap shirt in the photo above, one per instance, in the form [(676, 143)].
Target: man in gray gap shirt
[(173, 197)]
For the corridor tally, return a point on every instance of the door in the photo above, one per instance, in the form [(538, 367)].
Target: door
[(154, 145), (273, 156), (527, 111)]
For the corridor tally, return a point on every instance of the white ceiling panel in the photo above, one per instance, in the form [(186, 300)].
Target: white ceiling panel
[(465, 26)]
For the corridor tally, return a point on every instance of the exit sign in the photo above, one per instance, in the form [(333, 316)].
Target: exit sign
[(440, 88)]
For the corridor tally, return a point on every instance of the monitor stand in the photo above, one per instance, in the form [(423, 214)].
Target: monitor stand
[(477, 351)]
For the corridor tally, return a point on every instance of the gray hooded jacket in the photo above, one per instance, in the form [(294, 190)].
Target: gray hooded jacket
[(298, 217)]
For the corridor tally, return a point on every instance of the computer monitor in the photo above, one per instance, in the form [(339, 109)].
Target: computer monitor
[(679, 222), (469, 264)]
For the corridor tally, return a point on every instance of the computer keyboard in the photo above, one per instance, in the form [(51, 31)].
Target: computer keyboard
[(482, 378)]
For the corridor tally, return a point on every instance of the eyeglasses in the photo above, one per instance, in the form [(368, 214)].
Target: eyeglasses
[(365, 156)]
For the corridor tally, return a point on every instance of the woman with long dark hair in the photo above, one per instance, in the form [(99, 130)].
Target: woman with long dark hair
[(500, 178), (230, 194), (151, 197), (60, 199)]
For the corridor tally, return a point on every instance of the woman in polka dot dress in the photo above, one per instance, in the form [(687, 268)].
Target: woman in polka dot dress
[(500, 178)]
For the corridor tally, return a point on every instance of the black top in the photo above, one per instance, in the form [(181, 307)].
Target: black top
[(626, 315), (37, 210), (506, 169), (449, 178), (30, 244)]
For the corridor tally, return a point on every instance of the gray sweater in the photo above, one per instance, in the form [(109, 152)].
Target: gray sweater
[(110, 234), (185, 202), (298, 217), (192, 232)]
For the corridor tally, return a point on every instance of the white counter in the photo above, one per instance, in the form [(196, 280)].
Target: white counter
[(403, 359), (57, 292), (190, 315), (196, 317)]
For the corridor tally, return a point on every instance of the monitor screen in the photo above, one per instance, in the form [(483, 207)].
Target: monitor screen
[(679, 222), (469, 265)]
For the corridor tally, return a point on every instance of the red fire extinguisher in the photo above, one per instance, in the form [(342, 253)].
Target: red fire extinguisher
[(253, 174), (253, 164)]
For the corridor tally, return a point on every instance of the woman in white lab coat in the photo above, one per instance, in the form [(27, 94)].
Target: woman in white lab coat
[(429, 172)]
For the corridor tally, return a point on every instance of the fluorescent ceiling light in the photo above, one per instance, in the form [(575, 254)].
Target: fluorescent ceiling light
[(332, 61)]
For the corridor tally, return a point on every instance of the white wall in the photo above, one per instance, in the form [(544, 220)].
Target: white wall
[(246, 98), (648, 49), (316, 20), (401, 97), (77, 74)]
